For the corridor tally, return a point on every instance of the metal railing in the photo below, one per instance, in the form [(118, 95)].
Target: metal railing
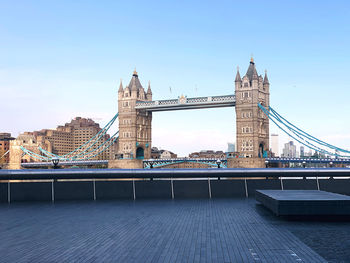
[(38, 174)]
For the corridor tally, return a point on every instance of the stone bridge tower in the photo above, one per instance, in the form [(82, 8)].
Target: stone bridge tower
[(252, 135), (135, 136)]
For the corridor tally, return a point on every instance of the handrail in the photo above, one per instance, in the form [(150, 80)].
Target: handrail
[(45, 174)]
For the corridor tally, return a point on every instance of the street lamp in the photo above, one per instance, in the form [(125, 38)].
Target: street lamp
[(55, 162), (266, 164), (331, 164), (218, 163), (304, 164)]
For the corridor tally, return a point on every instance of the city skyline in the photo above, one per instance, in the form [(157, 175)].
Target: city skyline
[(80, 62)]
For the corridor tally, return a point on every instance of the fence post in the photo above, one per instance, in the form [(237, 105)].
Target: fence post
[(172, 188), (209, 187)]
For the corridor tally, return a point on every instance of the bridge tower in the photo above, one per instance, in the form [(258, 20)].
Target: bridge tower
[(135, 136), (252, 134)]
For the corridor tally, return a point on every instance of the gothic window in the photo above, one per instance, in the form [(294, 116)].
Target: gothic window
[(246, 85), (126, 104), (245, 94)]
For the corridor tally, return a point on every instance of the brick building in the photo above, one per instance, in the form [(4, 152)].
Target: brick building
[(66, 138), (5, 139)]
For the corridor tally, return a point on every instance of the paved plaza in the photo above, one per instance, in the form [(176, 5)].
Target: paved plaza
[(202, 230)]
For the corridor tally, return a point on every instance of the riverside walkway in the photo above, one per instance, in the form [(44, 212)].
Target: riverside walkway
[(192, 230)]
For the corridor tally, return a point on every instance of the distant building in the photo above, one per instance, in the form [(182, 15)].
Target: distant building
[(208, 154), (5, 139), (231, 147), (275, 145), (308, 154), (155, 153), (164, 154), (64, 139), (302, 151), (290, 150)]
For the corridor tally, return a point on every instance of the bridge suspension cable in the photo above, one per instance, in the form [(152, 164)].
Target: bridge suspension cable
[(99, 135), (4, 154), (84, 152), (301, 136)]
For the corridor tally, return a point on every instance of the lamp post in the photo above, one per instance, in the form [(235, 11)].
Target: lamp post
[(218, 163), (304, 164), (55, 162), (330, 166), (266, 166)]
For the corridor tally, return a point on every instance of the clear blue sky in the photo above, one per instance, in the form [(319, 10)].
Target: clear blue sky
[(61, 59)]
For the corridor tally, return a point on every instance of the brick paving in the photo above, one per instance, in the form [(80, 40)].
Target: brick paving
[(218, 230)]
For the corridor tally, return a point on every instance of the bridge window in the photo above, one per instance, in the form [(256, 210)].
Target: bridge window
[(246, 114), (247, 129), (126, 134), (245, 94), (127, 121)]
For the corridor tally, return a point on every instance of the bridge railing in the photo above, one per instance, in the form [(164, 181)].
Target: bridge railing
[(197, 100)]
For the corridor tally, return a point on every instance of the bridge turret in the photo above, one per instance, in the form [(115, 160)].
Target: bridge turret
[(142, 94), (238, 80), (266, 82), (120, 90), (149, 91), (135, 135), (252, 128)]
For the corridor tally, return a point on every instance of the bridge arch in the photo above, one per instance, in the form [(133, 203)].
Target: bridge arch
[(140, 153)]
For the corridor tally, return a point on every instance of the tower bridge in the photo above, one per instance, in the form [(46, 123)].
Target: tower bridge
[(135, 107)]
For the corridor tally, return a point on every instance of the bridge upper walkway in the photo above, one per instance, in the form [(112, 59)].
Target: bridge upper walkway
[(184, 103)]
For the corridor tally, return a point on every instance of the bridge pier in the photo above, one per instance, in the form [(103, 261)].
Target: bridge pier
[(245, 163), (125, 164)]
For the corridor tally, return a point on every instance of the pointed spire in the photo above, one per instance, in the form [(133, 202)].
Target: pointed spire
[(121, 86), (251, 72), (266, 80), (149, 91), (133, 86), (238, 76), (135, 72)]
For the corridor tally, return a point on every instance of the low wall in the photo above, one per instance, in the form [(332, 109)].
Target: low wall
[(157, 188), (125, 164), (245, 163)]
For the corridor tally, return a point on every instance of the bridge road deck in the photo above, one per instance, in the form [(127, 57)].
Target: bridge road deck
[(192, 230)]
